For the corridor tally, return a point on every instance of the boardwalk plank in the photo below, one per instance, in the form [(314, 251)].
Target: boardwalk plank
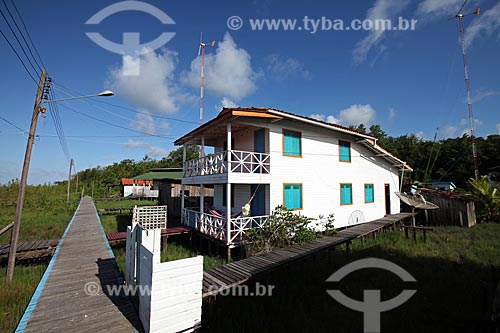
[(248, 268), (83, 257)]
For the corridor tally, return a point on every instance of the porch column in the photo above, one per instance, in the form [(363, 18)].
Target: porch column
[(202, 198), (228, 184), (182, 183), (228, 212), (202, 151)]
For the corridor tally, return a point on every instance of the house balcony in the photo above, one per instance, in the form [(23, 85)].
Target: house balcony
[(232, 166), (231, 234)]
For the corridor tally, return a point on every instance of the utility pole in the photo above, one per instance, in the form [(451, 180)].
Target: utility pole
[(69, 179), (24, 177), (76, 188)]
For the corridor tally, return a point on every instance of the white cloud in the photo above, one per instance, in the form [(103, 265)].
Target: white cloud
[(392, 113), (136, 144), (356, 114), (463, 127), (438, 8), (154, 89), (227, 103), (144, 123), (498, 128), (156, 152), (420, 135), (282, 68), (449, 131), (382, 9), (224, 103), (228, 71), (486, 24), (484, 93)]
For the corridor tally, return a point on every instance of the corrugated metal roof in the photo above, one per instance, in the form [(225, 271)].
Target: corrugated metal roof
[(447, 194), (152, 175)]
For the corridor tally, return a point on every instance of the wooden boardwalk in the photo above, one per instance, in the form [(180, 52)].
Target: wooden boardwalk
[(220, 278), (60, 303), (30, 246)]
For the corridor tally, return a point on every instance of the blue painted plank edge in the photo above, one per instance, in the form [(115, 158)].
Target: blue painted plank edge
[(36, 295)]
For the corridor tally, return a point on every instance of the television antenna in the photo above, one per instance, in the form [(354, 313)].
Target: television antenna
[(460, 17)]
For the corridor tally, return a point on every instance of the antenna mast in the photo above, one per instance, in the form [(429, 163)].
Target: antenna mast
[(460, 17), (201, 50)]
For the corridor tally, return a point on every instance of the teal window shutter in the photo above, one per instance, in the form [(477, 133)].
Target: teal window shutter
[(346, 194), (369, 195), (292, 143), (345, 151), (292, 196)]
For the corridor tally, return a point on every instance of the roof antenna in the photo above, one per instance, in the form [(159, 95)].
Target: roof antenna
[(460, 17), (201, 50)]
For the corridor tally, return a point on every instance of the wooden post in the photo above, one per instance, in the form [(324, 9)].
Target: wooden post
[(69, 178), (183, 187), (76, 187), (24, 178)]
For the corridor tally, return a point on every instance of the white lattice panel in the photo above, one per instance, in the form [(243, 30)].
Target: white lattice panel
[(151, 217)]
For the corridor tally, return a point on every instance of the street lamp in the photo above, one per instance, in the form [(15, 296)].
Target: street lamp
[(103, 93), (27, 157)]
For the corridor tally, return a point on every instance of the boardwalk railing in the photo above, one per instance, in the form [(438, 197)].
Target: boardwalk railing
[(216, 226), (241, 162)]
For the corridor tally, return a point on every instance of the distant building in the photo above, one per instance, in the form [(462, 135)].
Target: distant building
[(443, 186), (454, 209), (138, 188), (167, 183)]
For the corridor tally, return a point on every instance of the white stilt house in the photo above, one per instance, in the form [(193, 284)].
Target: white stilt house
[(267, 157)]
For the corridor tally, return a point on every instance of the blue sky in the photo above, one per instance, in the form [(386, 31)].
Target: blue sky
[(406, 81)]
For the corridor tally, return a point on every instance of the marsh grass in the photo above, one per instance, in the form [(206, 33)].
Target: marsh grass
[(15, 297), (455, 287), (176, 249)]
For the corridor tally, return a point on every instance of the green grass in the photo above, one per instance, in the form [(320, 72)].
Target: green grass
[(175, 250), (15, 297), (124, 203), (116, 221), (455, 287)]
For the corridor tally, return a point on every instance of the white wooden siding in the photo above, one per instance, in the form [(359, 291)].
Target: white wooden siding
[(320, 172)]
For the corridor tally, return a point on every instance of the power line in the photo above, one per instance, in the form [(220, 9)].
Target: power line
[(22, 35), (122, 107), (115, 125), (54, 113), (14, 125), (18, 56), (18, 41), (27, 32)]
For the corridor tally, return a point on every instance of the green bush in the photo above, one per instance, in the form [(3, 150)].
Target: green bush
[(284, 228)]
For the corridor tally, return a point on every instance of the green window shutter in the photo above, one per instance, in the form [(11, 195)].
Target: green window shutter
[(292, 196), (345, 151), (291, 143), (369, 195), (346, 194)]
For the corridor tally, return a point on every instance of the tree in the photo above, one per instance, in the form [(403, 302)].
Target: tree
[(489, 198)]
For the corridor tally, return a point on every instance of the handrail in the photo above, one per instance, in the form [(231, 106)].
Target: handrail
[(241, 162), (6, 228)]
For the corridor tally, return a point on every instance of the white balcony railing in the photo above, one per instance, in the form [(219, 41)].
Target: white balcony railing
[(216, 227), (241, 162)]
